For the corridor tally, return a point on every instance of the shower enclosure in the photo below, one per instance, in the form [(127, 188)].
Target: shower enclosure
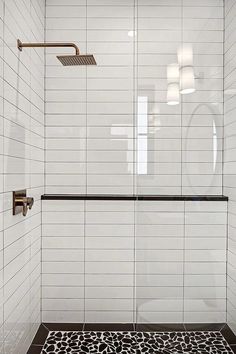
[(136, 145), (117, 186)]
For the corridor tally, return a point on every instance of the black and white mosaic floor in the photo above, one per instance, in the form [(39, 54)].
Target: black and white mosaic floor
[(135, 343)]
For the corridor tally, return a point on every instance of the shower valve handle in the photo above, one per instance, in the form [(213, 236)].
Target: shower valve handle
[(21, 203), (30, 202), (27, 202)]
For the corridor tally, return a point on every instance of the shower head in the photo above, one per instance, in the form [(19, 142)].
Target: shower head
[(68, 60)]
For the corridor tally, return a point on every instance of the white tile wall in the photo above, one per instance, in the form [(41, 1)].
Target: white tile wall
[(109, 261), (22, 166), (126, 261), (160, 261), (205, 261), (63, 262), (1, 177), (93, 142), (229, 155)]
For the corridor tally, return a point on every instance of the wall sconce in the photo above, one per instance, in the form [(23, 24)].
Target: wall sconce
[(173, 96), (187, 79)]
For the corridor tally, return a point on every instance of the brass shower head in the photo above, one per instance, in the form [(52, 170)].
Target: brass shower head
[(80, 59), (66, 60)]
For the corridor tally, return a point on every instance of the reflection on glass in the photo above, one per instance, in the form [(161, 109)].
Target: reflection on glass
[(142, 131), (118, 131), (185, 55), (132, 33), (173, 94), (173, 84), (187, 80), (185, 60), (154, 123)]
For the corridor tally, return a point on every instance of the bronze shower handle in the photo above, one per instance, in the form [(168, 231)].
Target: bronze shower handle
[(30, 202), (25, 206), (26, 202), (21, 203)]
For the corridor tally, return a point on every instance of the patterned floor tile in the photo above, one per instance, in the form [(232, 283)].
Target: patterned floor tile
[(60, 342)]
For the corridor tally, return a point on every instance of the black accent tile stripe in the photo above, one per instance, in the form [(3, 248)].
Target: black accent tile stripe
[(63, 326), (134, 197), (87, 197), (111, 327), (158, 327), (228, 334), (41, 335), (35, 349), (184, 197), (233, 348)]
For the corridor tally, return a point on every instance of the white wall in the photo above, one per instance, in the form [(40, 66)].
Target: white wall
[(22, 166), (126, 261), (93, 142), (229, 156)]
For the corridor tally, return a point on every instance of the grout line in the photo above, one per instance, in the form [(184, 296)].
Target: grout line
[(86, 164), (3, 183), (43, 324), (135, 179), (181, 103), (44, 170), (37, 345)]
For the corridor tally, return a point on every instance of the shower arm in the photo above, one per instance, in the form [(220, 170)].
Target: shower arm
[(21, 45)]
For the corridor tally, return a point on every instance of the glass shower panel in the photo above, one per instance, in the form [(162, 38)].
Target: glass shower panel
[(179, 119), (159, 240), (202, 135), (151, 118)]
